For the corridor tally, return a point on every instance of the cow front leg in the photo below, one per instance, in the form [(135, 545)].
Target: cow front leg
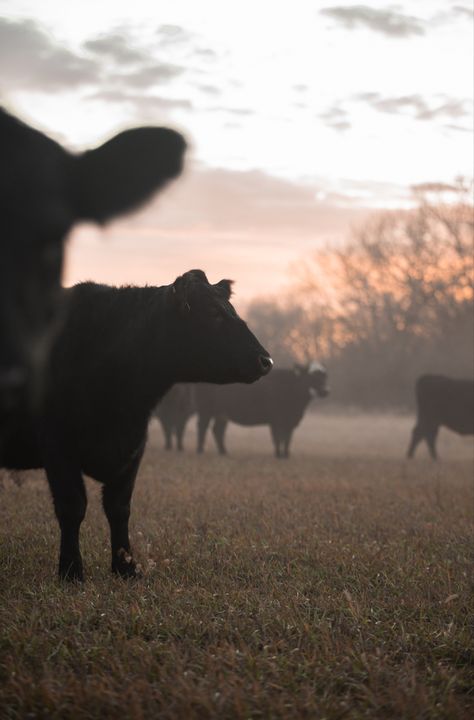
[(70, 503), (286, 443), (276, 440), (116, 499), (431, 435)]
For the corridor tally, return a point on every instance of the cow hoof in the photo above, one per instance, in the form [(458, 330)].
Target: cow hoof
[(124, 565), (71, 570)]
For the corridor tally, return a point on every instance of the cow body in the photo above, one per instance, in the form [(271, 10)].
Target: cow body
[(279, 401), (44, 190), (118, 353), (174, 411), (441, 401)]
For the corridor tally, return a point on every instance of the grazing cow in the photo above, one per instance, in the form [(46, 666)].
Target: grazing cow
[(44, 190), (278, 401), (174, 411), (441, 400), (117, 354)]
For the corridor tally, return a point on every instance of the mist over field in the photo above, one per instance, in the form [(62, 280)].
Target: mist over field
[(338, 582)]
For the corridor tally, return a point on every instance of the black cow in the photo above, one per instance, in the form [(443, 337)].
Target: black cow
[(117, 354), (44, 190), (174, 411), (440, 401), (279, 401)]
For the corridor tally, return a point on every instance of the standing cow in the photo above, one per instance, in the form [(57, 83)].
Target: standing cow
[(279, 401), (44, 190), (174, 411), (440, 401), (117, 354)]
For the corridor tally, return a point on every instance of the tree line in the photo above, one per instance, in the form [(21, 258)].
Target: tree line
[(392, 301)]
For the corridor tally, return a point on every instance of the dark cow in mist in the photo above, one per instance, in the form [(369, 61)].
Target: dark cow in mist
[(441, 400), (174, 411), (118, 352), (280, 401), (44, 190)]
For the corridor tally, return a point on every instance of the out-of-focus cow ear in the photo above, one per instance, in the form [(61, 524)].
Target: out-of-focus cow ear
[(225, 288), (124, 172)]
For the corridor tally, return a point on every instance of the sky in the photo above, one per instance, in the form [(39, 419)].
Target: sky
[(302, 117)]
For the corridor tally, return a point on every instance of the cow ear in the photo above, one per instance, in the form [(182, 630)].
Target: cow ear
[(180, 294), (225, 288), (124, 172)]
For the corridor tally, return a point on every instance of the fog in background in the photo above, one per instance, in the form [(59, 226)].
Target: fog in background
[(391, 302)]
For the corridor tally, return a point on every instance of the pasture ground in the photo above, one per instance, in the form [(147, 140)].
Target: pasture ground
[(337, 584)]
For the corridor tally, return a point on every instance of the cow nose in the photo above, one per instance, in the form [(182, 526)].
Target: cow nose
[(266, 364)]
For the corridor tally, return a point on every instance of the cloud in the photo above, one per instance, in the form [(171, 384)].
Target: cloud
[(387, 22), (118, 47), (336, 118), (144, 77), (415, 105), (218, 200), (249, 226), (123, 49), (205, 53), (172, 35), (142, 104), (458, 128), (31, 60), (209, 89), (462, 10), (232, 111)]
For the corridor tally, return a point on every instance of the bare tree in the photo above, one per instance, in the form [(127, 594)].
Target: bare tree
[(395, 299)]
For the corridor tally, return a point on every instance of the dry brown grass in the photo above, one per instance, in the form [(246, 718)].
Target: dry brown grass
[(333, 585)]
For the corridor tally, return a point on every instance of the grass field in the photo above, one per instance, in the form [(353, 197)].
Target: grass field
[(337, 584)]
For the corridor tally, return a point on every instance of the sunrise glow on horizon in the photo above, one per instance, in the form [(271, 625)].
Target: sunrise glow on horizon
[(302, 117)]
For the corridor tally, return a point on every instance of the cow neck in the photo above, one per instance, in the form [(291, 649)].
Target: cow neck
[(152, 363)]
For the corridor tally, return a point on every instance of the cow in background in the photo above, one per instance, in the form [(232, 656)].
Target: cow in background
[(44, 190), (441, 400), (279, 400), (117, 355), (174, 411)]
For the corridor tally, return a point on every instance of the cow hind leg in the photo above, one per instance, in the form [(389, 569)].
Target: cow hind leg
[(218, 430), (167, 432), (203, 424), (70, 502), (116, 499), (416, 437)]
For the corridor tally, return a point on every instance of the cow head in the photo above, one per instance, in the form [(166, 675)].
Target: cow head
[(44, 190), (315, 377), (215, 343)]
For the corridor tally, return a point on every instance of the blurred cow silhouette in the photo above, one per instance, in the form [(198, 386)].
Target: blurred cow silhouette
[(279, 400), (174, 411), (44, 190), (441, 401)]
